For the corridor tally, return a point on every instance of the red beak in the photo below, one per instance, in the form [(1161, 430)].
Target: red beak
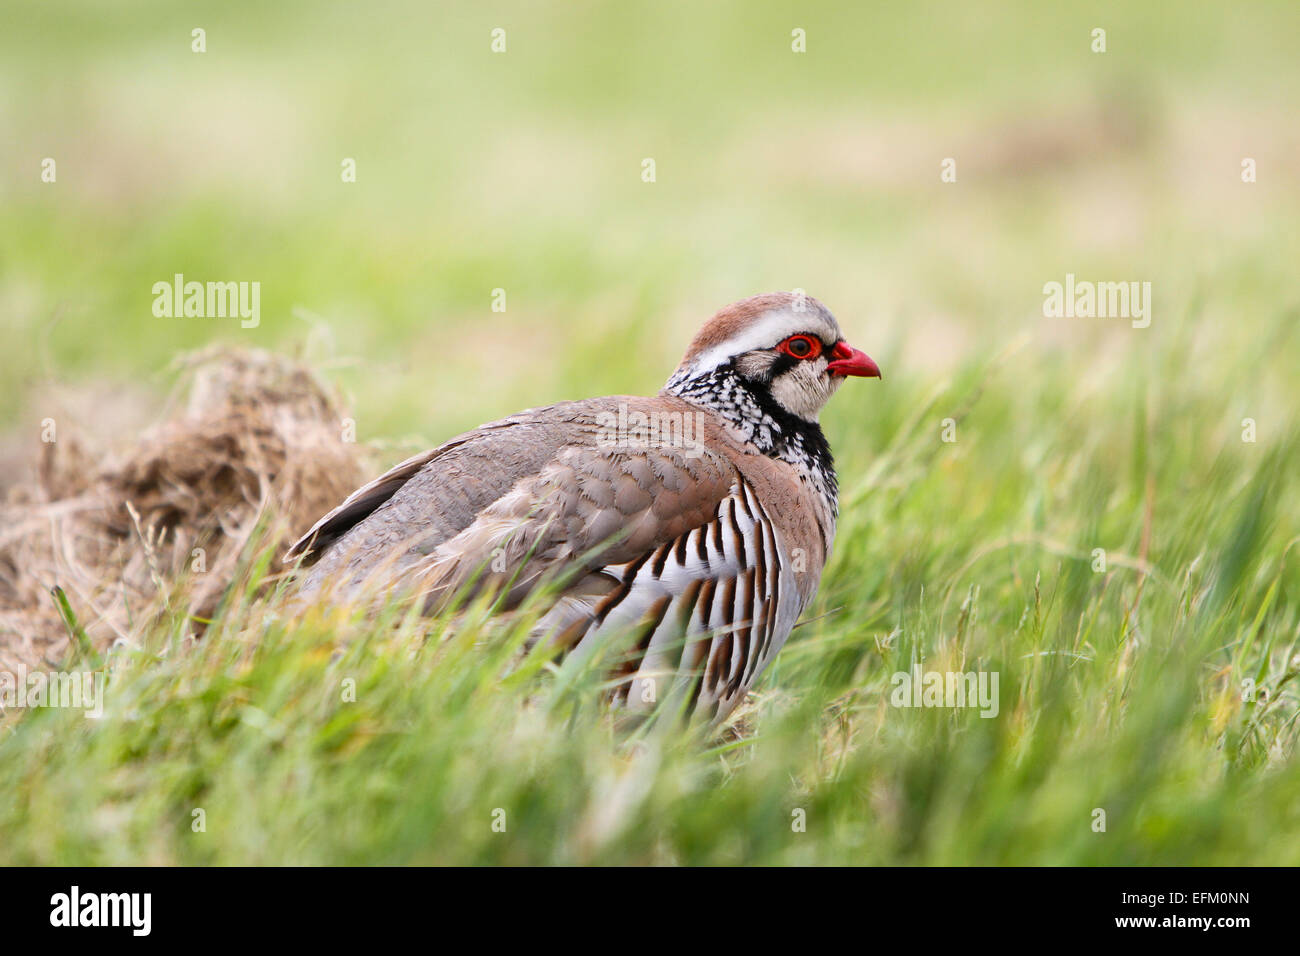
[(851, 361)]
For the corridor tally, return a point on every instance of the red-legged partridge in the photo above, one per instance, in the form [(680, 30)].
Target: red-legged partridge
[(695, 524)]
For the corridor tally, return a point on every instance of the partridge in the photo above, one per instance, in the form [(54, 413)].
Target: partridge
[(692, 526)]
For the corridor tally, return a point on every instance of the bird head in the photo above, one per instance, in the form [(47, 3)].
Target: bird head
[(784, 348)]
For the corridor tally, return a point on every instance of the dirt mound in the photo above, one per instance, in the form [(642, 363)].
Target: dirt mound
[(258, 443)]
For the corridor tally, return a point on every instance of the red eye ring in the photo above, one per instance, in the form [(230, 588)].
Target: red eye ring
[(801, 347)]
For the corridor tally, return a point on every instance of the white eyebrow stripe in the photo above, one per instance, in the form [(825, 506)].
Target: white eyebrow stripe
[(763, 334)]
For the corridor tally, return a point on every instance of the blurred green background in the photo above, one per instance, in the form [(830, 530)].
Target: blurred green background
[(774, 169), (522, 171)]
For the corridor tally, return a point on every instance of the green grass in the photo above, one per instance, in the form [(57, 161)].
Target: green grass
[(1121, 689)]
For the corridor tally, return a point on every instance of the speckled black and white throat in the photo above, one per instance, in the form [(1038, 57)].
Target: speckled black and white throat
[(759, 419)]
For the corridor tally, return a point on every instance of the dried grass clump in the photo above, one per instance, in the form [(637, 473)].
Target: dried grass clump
[(125, 533)]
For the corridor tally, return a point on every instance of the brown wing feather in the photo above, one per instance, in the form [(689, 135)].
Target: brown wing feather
[(359, 505), (453, 481), (588, 509), (543, 486)]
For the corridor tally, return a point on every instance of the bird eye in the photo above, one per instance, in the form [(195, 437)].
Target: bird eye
[(801, 347)]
